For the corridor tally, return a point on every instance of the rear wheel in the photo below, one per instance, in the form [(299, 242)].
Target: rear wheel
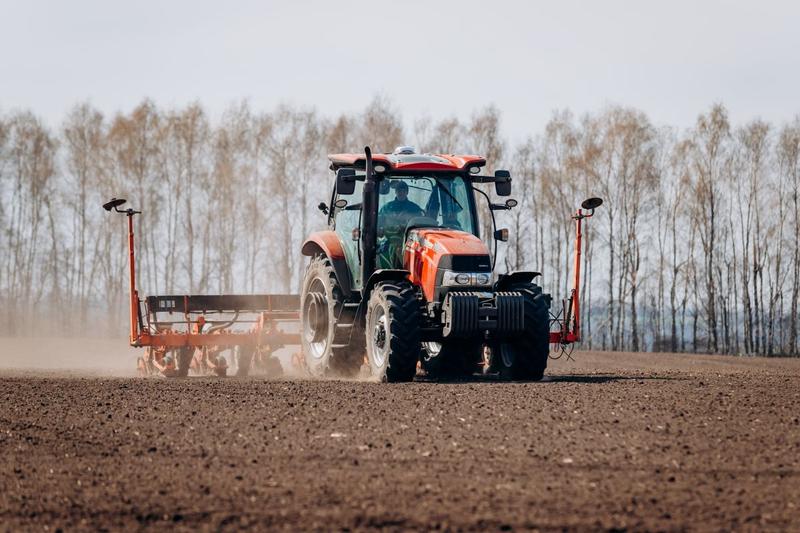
[(452, 359), (330, 346), (525, 357), (393, 332)]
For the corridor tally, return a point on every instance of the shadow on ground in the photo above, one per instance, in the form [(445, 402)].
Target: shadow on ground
[(567, 378)]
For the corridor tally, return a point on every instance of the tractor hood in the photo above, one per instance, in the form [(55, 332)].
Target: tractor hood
[(431, 252), (448, 242)]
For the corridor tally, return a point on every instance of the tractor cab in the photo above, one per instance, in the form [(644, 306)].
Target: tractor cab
[(412, 191), (408, 202)]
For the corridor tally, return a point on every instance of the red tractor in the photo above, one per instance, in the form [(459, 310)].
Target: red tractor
[(402, 278)]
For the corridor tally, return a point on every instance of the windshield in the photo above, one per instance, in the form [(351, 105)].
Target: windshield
[(433, 200)]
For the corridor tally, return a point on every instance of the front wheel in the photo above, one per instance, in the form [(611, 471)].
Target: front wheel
[(393, 332)]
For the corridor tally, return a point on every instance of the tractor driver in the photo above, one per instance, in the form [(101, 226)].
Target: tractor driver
[(401, 207), (392, 219)]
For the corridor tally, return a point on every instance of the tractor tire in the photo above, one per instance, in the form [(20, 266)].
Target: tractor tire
[(185, 356), (525, 357), (393, 332), (329, 349), (453, 359)]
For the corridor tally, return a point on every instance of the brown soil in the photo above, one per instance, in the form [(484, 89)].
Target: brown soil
[(622, 441)]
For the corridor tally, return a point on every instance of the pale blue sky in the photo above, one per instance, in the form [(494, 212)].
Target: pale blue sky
[(671, 59)]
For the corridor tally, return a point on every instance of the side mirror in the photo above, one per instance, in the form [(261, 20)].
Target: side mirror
[(501, 235), (346, 181), (502, 183)]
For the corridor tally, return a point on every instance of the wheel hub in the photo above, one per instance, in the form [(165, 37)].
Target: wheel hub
[(380, 341), (380, 336), (315, 323)]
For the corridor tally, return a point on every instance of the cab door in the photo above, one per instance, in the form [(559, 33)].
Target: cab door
[(347, 223)]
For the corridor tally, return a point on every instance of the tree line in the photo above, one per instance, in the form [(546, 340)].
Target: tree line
[(697, 247)]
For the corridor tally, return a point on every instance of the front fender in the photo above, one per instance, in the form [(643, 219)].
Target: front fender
[(384, 274), (506, 281), (327, 243)]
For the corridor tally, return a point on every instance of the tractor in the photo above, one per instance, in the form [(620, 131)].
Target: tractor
[(401, 281)]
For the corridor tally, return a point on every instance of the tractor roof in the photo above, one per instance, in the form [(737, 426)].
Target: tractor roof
[(412, 162)]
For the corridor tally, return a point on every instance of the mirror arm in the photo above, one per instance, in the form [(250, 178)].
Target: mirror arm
[(581, 215), (494, 225), (488, 179)]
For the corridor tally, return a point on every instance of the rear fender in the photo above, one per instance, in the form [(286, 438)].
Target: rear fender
[(327, 243)]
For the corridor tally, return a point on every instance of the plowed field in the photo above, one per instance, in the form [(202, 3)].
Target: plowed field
[(623, 441)]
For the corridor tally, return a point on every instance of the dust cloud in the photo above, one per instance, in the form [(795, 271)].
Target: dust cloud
[(68, 356)]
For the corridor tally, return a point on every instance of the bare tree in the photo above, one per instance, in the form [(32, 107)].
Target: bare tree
[(134, 143), (789, 164), (483, 137), (31, 165), (709, 144), (381, 126), (84, 142)]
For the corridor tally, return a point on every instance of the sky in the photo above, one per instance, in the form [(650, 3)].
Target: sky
[(672, 60)]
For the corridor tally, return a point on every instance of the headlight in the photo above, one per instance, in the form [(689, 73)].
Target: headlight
[(462, 279), (466, 279)]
